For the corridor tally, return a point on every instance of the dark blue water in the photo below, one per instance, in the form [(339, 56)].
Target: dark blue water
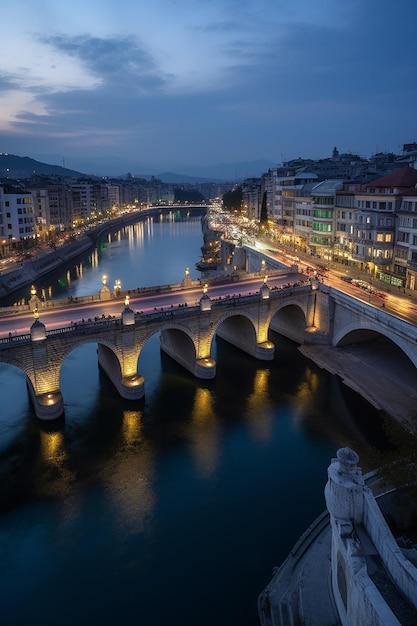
[(173, 509)]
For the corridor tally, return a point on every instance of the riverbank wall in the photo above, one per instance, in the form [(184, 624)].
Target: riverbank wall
[(27, 272), (24, 274)]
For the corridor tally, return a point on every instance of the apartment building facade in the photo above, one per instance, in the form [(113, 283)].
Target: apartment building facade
[(405, 250), (371, 226), (17, 218), (322, 236)]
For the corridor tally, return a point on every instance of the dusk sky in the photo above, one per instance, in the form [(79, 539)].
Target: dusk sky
[(174, 84)]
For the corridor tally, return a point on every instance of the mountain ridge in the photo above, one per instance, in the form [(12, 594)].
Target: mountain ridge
[(15, 167)]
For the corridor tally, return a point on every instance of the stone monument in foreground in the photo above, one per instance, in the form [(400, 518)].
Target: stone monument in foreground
[(347, 568)]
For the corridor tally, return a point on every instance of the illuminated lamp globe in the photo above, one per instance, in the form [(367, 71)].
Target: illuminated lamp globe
[(128, 316), (37, 330), (205, 302)]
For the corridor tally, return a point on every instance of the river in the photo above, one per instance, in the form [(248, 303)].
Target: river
[(175, 508)]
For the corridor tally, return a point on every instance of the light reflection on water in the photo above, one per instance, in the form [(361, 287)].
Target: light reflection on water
[(174, 508)]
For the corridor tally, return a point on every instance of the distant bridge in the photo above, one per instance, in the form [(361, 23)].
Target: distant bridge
[(309, 313)]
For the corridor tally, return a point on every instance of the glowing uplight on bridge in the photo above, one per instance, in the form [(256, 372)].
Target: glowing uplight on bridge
[(133, 381), (50, 399)]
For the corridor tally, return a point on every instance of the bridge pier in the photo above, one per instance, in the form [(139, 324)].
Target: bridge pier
[(131, 385), (265, 351), (205, 368), (47, 406)]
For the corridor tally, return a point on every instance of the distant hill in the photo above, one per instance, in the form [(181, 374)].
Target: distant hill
[(118, 167), (15, 167)]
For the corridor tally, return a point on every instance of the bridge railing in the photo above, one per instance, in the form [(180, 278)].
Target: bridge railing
[(383, 317), (77, 300), (98, 324), (11, 339)]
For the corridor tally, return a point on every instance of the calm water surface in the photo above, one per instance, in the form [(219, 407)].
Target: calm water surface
[(173, 509)]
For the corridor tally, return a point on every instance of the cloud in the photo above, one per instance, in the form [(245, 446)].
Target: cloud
[(8, 82), (116, 60), (194, 78)]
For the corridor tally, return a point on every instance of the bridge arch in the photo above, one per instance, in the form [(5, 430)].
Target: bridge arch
[(18, 363), (289, 319), (235, 325), (14, 395), (82, 341), (366, 332), (178, 342), (246, 333)]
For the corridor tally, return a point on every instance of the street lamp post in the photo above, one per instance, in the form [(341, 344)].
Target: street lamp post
[(104, 291), (187, 279)]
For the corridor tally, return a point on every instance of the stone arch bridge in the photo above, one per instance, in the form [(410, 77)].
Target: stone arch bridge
[(312, 313)]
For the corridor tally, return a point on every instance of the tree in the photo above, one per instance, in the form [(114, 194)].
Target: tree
[(263, 221), (232, 200), (187, 195)]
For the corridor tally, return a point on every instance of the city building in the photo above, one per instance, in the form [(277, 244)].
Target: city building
[(405, 250), (322, 236), (345, 222), (17, 219), (251, 198), (60, 207), (42, 212), (368, 225), (378, 226)]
